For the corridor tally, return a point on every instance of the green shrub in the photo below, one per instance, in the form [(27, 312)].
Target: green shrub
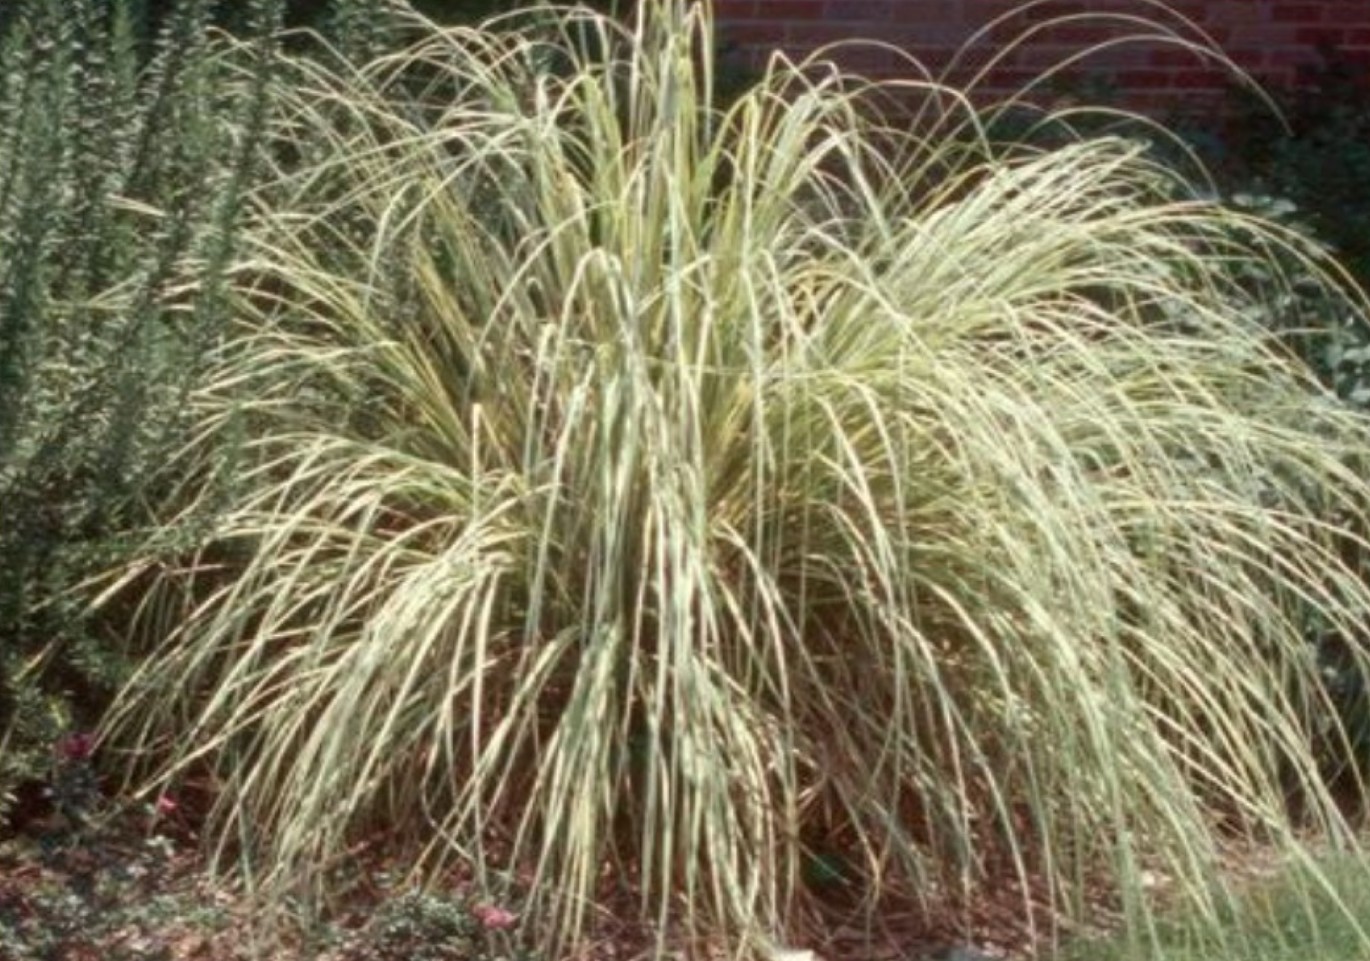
[(633, 490), (122, 165)]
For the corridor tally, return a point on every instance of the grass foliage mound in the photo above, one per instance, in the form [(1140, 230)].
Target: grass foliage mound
[(632, 491)]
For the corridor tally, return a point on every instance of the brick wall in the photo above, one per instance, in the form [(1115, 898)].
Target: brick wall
[(1275, 40)]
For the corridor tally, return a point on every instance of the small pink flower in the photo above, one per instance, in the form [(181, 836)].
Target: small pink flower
[(76, 746), (494, 918), (165, 806)]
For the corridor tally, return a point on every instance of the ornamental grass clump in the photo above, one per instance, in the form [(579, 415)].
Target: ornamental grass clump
[(630, 494)]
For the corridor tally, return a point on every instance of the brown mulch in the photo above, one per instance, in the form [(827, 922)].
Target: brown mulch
[(134, 888)]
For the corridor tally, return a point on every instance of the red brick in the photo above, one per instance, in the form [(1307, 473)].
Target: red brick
[(816, 34), (1231, 12), (1219, 33), (865, 60), (1011, 81), (859, 10), (734, 9), (934, 13), (1145, 79), (943, 36), (1200, 79), (1089, 57), (1269, 37), (1257, 36), (1083, 33), (1355, 13), (755, 32), (1282, 58), (790, 9), (1320, 36), (1298, 12), (1175, 57), (978, 55)]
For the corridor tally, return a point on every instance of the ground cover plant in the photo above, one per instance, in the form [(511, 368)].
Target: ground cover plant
[(753, 511)]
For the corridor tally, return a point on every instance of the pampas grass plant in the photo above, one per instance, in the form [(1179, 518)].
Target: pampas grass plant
[(634, 494)]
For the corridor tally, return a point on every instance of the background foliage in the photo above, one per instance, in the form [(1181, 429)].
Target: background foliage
[(1318, 158)]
